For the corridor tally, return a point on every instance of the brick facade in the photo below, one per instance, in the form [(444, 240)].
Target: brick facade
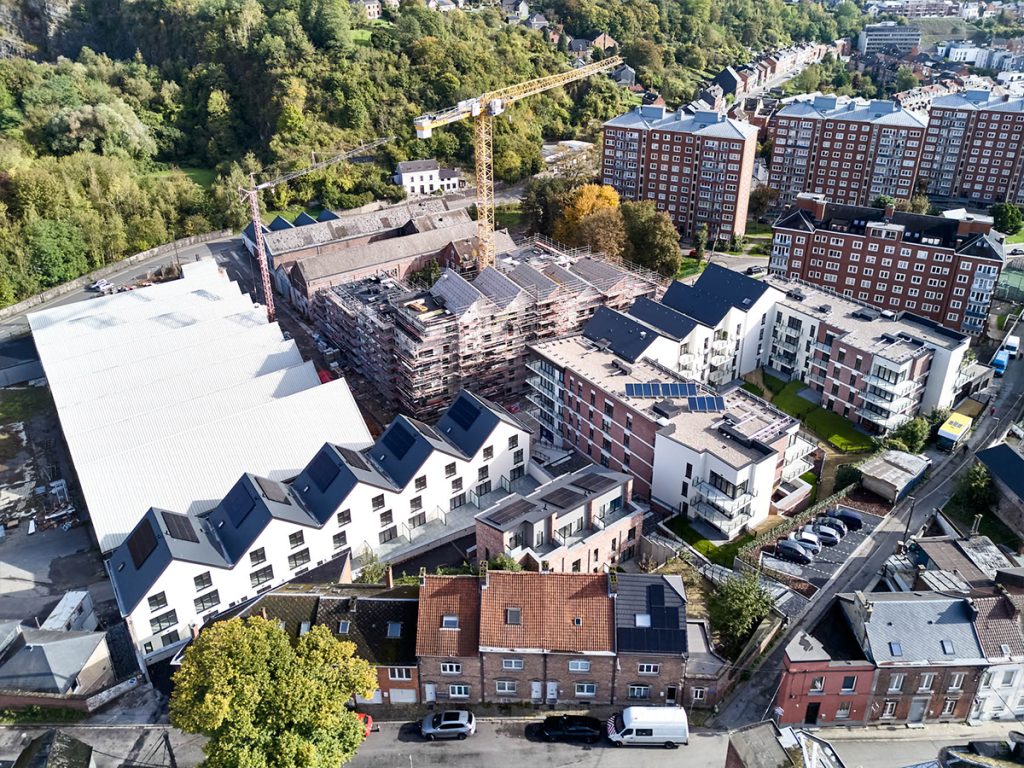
[(663, 685), (948, 697), (432, 678)]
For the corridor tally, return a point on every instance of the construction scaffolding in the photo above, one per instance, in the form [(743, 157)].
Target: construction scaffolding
[(420, 347)]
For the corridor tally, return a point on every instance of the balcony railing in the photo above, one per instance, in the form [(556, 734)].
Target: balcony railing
[(794, 469), (535, 366), (890, 404), (722, 501), (898, 387), (885, 422), (721, 345), (799, 449), (724, 523)]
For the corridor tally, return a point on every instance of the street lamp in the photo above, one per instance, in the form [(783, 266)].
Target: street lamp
[(906, 532)]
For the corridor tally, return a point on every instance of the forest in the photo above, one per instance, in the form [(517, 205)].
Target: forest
[(139, 119)]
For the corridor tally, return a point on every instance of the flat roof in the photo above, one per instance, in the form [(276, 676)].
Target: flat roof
[(898, 336), (744, 415), (167, 394)]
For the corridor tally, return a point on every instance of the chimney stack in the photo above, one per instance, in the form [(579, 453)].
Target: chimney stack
[(890, 210), (484, 575), (389, 577), (613, 583)]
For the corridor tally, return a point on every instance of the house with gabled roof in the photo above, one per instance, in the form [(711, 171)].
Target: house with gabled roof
[(448, 639), (416, 487)]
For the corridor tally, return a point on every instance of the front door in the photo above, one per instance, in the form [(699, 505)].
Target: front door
[(811, 718), (670, 696), (430, 693), (917, 710), (536, 690), (552, 691)]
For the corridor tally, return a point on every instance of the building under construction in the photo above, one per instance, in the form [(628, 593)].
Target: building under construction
[(420, 347)]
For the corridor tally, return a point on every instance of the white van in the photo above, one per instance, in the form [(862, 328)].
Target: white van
[(1012, 345), (666, 726)]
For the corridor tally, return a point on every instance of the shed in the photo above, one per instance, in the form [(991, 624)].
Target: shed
[(892, 473)]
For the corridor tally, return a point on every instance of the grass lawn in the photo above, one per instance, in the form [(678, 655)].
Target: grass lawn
[(690, 267), (40, 715), (757, 228), (1018, 238), (204, 177), (21, 404), (507, 216), (991, 525), (752, 387), (723, 555), (1001, 322), (827, 425)]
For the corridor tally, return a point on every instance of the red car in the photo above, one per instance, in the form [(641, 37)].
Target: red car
[(367, 722)]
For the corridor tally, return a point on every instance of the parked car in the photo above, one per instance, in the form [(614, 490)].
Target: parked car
[(852, 519), (827, 536), (755, 270), (806, 539), (786, 549), (450, 724), (572, 728), (367, 722), (99, 285), (833, 522)]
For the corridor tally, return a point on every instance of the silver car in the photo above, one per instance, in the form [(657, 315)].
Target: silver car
[(450, 724)]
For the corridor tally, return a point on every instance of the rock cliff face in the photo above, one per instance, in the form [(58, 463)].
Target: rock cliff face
[(29, 27)]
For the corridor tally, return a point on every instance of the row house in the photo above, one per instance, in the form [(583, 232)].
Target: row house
[(974, 148), (726, 458), (379, 619), (552, 638), (420, 347), (416, 486), (885, 658), (939, 267), (849, 150), (695, 166), (583, 522)]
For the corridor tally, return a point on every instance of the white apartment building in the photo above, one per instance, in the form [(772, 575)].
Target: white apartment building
[(878, 38), (425, 177), (417, 486)]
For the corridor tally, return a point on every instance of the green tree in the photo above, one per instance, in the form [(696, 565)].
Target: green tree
[(737, 606), (503, 562), (543, 201), (651, 238), (884, 200), (975, 491), (603, 231), (905, 80), (911, 435), (700, 242), (762, 198), (1006, 218), (56, 250), (262, 702)]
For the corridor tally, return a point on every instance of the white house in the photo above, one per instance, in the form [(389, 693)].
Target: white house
[(425, 177), (416, 487)]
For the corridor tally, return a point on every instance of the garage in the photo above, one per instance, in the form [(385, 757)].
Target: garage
[(377, 698), (402, 695)]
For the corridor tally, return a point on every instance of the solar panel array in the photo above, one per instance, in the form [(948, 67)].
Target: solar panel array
[(322, 471), (142, 542), (595, 482), (706, 404), (238, 504), (398, 440), (179, 526), (276, 492), (511, 512), (667, 633), (463, 412), (662, 389), (564, 498)]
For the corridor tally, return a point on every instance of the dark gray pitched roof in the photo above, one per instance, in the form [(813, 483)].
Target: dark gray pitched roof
[(795, 218), (325, 483), (303, 219), (716, 291), (368, 619), (673, 324), (327, 215), (982, 246), (467, 423), (279, 223), (662, 600), (1006, 465), (46, 661), (626, 337), (400, 451), (55, 749), (244, 513)]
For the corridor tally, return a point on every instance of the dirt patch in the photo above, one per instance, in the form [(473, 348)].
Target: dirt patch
[(865, 501), (833, 460), (72, 571)]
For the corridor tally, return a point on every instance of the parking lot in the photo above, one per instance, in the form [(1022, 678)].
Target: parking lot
[(829, 560)]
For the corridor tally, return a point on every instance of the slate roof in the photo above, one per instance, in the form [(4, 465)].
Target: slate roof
[(662, 599), (716, 291), (457, 293), (655, 314), (998, 625), (55, 749), (46, 661), (550, 604), (599, 274), (469, 421), (879, 111), (1006, 465), (417, 166), (532, 279), (369, 617), (700, 123), (626, 337), (915, 627), (497, 287), (280, 223), (443, 596), (303, 219)]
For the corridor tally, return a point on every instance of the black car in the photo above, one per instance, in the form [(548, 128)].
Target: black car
[(851, 519), (787, 549), (572, 728)]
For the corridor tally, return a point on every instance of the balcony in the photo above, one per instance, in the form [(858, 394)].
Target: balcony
[(726, 524), (542, 385), (719, 499), (787, 345), (798, 450), (890, 404), (904, 387), (721, 345), (719, 360), (794, 469), (548, 406), (535, 366), (886, 422), (826, 348)]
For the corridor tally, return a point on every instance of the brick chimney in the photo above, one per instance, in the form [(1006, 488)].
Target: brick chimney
[(485, 578), (812, 203), (890, 210)]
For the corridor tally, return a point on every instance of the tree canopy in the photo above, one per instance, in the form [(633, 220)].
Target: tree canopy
[(264, 703), (1007, 218)]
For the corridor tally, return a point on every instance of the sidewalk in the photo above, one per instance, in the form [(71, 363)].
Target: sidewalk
[(991, 731)]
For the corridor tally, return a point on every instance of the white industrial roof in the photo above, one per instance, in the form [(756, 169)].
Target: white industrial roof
[(168, 394)]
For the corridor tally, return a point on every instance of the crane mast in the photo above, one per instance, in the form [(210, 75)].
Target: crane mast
[(252, 198), (483, 109)]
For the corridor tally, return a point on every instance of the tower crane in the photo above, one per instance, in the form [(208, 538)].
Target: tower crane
[(251, 196), (483, 109)]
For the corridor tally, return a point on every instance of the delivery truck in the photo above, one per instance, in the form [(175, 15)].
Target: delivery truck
[(645, 726)]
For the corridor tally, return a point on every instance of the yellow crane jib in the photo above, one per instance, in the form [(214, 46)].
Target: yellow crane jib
[(481, 109)]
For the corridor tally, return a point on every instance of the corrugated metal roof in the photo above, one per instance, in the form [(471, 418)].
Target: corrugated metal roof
[(198, 407)]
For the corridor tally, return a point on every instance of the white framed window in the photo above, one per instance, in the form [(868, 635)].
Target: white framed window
[(948, 707), (956, 681), (648, 669), (843, 711), (586, 689), (639, 691), (458, 691), (399, 673), (889, 710), (926, 681), (511, 663), (450, 668), (818, 685), (579, 665), (849, 684), (699, 694), (896, 682), (505, 687)]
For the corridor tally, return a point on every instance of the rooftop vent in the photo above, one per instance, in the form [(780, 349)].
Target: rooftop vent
[(796, 294), (825, 308)]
